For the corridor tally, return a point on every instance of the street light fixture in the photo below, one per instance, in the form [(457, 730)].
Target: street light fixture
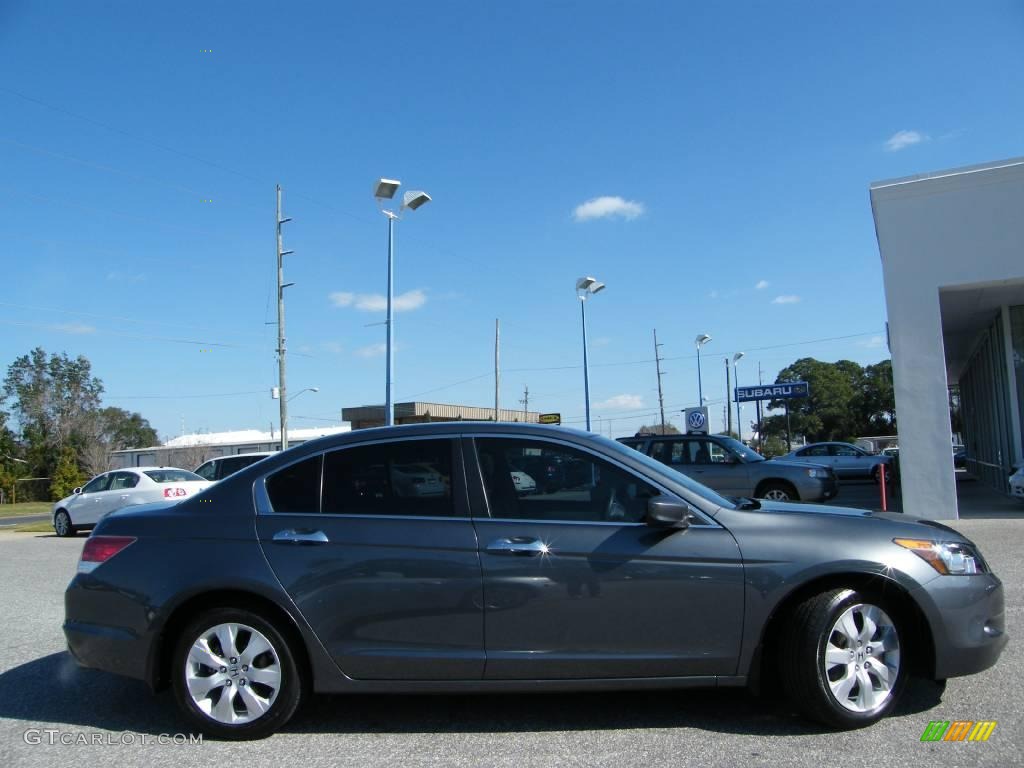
[(700, 341), (736, 383), (385, 189), (585, 288), (307, 389)]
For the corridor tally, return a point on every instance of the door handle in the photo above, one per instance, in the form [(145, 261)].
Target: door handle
[(518, 545), (293, 536), (124, 495)]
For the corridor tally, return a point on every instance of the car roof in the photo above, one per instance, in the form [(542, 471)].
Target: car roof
[(242, 455)]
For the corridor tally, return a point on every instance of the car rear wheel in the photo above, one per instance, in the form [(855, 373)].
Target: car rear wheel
[(234, 675), (62, 524), (841, 659), (778, 492)]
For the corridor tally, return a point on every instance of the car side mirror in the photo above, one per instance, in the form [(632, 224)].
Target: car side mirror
[(77, 490), (663, 512)]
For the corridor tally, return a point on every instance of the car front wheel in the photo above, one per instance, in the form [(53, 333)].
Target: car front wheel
[(778, 492), (235, 676), (62, 524), (841, 659)]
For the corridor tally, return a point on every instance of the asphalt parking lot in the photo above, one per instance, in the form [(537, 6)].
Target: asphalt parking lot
[(42, 690)]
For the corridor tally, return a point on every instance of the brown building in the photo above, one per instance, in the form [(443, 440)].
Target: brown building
[(365, 416)]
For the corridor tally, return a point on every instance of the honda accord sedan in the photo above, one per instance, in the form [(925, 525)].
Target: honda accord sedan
[(317, 571)]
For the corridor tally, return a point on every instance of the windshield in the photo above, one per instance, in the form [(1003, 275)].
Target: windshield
[(663, 469), (173, 476), (748, 455)]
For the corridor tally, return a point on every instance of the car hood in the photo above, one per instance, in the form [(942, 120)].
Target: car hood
[(823, 510)]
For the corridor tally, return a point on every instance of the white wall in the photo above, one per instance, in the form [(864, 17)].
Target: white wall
[(952, 228)]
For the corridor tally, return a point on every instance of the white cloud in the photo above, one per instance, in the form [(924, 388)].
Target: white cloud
[(903, 139), (607, 206), (374, 350), (787, 299), (376, 302), (761, 285), (873, 343), (622, 402), (124, 277), (75, 327), (713, 295), (333, 346)]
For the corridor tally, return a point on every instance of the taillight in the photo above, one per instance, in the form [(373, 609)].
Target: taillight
[(99, 549)]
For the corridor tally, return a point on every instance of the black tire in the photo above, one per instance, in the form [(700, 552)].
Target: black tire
[(66, 529), (289, 693), (805, 639), (778, 491)]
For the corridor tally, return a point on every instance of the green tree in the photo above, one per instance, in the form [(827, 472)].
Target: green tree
[(113, 429), (655, 429), (52, 399), (66, 475)]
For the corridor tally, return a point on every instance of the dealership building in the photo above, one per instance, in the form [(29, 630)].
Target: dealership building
[(952, 249)]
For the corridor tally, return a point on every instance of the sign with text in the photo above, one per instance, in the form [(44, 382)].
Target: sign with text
[(783, 391), (549, 418)]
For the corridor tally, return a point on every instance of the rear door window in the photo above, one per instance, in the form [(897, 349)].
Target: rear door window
[(296, 488)]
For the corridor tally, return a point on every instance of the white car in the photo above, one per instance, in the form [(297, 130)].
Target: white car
[(523, 482), (121, 488), (1017, 483)]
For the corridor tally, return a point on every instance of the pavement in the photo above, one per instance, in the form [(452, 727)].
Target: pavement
[(44, 696)]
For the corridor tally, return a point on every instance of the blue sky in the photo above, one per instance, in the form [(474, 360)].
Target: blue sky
[(737, 143)]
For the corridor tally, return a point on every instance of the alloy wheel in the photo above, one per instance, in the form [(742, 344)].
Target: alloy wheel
[(233, 673), (862, 658)]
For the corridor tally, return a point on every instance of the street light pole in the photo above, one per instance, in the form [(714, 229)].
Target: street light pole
[(700, 341), (385, 189), (586, 287), (736, 380)]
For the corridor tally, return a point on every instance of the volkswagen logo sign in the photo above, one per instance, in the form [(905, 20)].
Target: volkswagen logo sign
[(695, 420)]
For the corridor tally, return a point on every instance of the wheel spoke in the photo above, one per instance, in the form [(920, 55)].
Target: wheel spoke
[(257, 645), (269, 676), (200, 687), (224, 711), (848, 627), (869, 614), (201, 653), (841, 688), (881, 672), (865, 691), (227, 634), (835, 656), (255, 704)]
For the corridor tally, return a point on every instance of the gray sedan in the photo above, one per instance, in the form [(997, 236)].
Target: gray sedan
[(846, 460), (315, 571)]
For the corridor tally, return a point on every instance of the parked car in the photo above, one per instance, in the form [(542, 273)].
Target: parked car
[(730, 467), (1017, 482), (311, 575), (220, 467), (848, 461), (122, 488), (523, 482)]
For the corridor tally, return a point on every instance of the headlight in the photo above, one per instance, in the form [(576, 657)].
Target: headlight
[(951, 558), (819, 473)]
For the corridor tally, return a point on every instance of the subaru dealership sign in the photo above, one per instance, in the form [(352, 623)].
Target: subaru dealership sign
[(783, 391)]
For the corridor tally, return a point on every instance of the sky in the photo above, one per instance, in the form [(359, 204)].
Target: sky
[(709, 162)]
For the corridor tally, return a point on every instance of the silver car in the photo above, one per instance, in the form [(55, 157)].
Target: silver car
[(847, 461), (726, 465)]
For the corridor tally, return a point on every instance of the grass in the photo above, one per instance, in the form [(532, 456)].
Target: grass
[(26, 508), (41, 527)]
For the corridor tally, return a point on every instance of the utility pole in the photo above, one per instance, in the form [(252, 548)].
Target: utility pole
[(281, 285), (525, 401), (657, 365), (497, 368), (757, 404), (728, 397)]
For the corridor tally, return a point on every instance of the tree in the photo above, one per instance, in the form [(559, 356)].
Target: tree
[(66, 476), (113, 429), (52, 398), (655, 429)]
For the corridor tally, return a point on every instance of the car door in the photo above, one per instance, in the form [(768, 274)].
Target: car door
[(709, 462), (86, 507), (388, 579), (576, 585), (120, 493), (847, 461)]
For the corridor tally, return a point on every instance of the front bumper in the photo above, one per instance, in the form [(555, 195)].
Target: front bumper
[(968, 623), (818, 489)]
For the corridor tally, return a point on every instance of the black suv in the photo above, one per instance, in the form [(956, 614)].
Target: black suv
[(729, 467)]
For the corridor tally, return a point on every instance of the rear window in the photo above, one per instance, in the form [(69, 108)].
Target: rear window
[(172, 476)]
